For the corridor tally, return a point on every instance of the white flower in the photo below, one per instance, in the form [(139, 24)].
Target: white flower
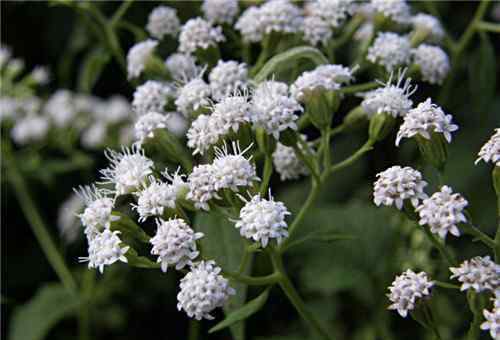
[(478, 273), (393, 99), (117, 109), (94, 135), (177, 182), (490, 151), (105, 248), (249, 25), (323, 77), (41, 75), (272, 110), (280, 16), (177, 124), (232, 171), (202, 290), (128, 170), (174, 243), (425, 119), (138, 56), (154, 198), (199, 34), (97, 214), (67, 218), (442, 212), (262, 220), (430, 24), (227, 77), (334, 12), (182, 66), (146, 125), (433, 62), (203, 133), (286, 162), (492, 322), (152, 96), (31, 128), (397, 10), (220, 11), (193, 96), (406, 289), (231, 112), (201, 183), (163, 21), (397, 184), (60, 108), (316, 30), (390, 50)]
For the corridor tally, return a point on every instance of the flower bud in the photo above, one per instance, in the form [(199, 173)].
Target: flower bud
[(381, 125), (433, 150), (320, 107), (355, 118)]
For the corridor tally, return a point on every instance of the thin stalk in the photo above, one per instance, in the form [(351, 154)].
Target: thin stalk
[(194, 330), (84, 316), (445, 285), (440, 247), (254, 280), (430, 319), (120, 12), (266, 176), (488, 27), (326, 152), (472, 230), (359, 87), (474, 330), (307, 161), (350, 160)]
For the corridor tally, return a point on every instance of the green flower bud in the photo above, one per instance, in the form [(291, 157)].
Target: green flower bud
[(320, 106), (381, 125), (355, 118), (434, 150)]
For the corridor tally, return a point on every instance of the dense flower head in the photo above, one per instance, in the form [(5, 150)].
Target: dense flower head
[(152, 96), (31, 128), (433, 62), (198, 33), (316, 30), (280, 16), (478, 273), (227, 77), (249, 25), (147, 124), (333, 12), (202, 290), (430, 24), (60, 108), (492, 322), (397, 10), (182, 66), (174, 243), (286, 162), (392, 98), (390, 50), (203, 133), (202, 188), (231, 112), (220, 11), (138, 56), (128, 169), (154, 198), (163, 21), (490, 151), (97, 214), (193, 96), (233, 170), (407, 289), (105, 248), (397, 184), (274, 110), (262, 220), (67, 218), (425, 119), (442, 212)]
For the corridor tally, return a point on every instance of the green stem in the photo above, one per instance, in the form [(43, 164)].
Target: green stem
[(84, 316), (488, 26), (472, 230), (295, 298), (266, 176), (440, 247), (476, 307), (446, 285), (120, 12), (194, 330), (359, 87), (254, 280), (430, 319), (349, 31), (350, 160), (35, 220), (327, 157), (308, 161)]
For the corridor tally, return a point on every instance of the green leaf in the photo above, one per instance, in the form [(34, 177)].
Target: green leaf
[(129, 228), (242, 313), (223, 243), (482, 74), (92, 67), (33, 320), (138, 261)]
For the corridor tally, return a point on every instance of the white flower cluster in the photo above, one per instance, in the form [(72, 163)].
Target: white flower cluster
[(154, 198), (147, 124), (67, 218), (492, 319), (316, 30), (390, 50), (490, 151), (478, 273), (227, 77), (332, 12), (182, 66), (163, 21), (425, 119), (197, 34), (138, 57), (97, 214), (193, 96), (105, 248), (407, 289), (152, 96), (429, 24), (442, 212), (396, 10), (397, 184), (433, 62), (220, 11), (262, 220), (286, 162)]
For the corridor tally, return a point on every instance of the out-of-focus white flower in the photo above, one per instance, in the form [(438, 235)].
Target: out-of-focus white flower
[(94, 135), (442, 212), (201, 183), (41, 75), (286, 162), (316, 30), (425, 119), (97, 214), (220, 11), (390, 50), (397, 184), (397, 10), (152, 96), (250, 26), (5, 55), (406, 289), (478, 273), (9, 108), (433, 62), (203, 134), (280, 16), (393, 98), (182, 66), (163, 21), (492, 322), (231, 112), (138, 56), (174, 243), (117, 109), (202, 290), (430, 24), (67, 218), (177, 124), (193, 96), (146, 125), (272, 110), (60, 108), (334, 12), (105, 248), (154, 198), (31, 128), (198, 33), (364, 32), (227, 77), (128, 169), (262, 220), (126, 134), (490, 151)]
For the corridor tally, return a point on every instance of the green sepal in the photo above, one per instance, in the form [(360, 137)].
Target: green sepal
[(434, 150), (320, 107), (381, 125), (155, 69), (356, 118)]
